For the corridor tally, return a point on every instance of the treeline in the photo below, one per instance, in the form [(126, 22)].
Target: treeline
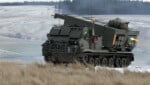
[(27, 3), (94, 6), (105, 7)]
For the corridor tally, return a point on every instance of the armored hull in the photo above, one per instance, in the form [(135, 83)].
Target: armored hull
[(90, 42), (110, 59)]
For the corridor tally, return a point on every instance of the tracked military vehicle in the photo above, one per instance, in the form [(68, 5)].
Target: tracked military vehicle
[(90, 41)]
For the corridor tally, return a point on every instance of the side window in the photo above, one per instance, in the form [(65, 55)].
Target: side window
[(120, 40)]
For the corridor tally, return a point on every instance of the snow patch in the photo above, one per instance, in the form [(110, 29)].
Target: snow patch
[(121, 70)]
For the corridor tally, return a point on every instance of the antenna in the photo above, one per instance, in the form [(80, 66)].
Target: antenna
[(78, 9), (92, 19), (91, 8), (93, 27), (59, 5)]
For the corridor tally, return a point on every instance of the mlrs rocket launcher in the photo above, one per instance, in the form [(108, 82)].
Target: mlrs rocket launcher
[(90, 41)]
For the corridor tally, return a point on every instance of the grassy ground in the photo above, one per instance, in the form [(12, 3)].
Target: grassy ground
[(41, 74)]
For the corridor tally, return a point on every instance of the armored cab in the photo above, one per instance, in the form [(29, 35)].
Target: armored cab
[(90, 41)]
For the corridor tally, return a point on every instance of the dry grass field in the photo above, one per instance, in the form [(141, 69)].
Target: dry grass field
[(48, 74)]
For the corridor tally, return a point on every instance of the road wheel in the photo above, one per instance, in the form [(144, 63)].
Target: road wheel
[(91, 61), (104, 62), (97, 61), (124, 62), (111, 62), (85, 60), (118, 62), (128, 62), (47, 58)]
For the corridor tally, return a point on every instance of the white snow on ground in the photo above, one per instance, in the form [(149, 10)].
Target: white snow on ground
[(3, 52), (23, 29), (26, 22), (121, 70)]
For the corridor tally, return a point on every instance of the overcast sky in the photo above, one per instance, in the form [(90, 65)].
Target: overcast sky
[(40, 0)]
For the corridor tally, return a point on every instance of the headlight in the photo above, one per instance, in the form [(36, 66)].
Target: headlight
[(134, 39)]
